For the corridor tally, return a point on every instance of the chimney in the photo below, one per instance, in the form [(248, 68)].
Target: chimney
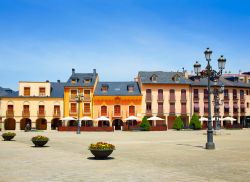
[(73, 71), (58, 81), (94, 72)]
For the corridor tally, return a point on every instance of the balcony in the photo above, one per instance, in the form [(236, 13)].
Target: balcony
[(160, 113), (205, 98), (87, 113), (226, 113), (171, 98), (149, 112), (160, 99), (117, 114), (56, 114), (242, 97), (9, 114), (183, 112), (41, 114), (26, 114), (87, 98), (235, 97), (183, 99), (196, 98), (148, 98)]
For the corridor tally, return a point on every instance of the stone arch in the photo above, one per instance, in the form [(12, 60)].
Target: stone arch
[(41, 124), (103, 124), (10, 124), (88, 123), (55, 123), (24, 122), (117, 123)]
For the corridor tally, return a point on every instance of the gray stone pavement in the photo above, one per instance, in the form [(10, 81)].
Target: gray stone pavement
[(140, 156)]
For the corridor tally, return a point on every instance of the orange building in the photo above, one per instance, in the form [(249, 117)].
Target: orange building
[(117, 101)]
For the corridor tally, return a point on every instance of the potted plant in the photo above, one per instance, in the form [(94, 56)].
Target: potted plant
[(8, 136), (39, 140), (101, 150)]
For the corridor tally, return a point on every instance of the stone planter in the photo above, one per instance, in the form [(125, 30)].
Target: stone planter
[(101, 154), (7, 138), (39, 143)]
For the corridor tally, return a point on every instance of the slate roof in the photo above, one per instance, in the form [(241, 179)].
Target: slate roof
[(5, 92), (222, 81), (162, 77), (81, 77), (57, 91), (117, 89)]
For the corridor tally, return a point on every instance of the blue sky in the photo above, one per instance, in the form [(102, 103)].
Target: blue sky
[(43, 39)]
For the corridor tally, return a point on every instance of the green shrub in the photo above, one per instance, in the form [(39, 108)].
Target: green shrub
[(39, 138), (195, 123), (178, 123), (8, 134), (145, 125)]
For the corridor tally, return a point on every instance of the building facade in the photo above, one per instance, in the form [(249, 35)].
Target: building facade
[(156, 93)]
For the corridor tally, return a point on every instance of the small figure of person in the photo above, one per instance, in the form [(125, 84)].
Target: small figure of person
[(27, 127)]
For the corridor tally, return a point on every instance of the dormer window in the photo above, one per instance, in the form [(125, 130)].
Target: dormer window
[(131, 88), (87, 80), (73, 81), (176, 78), (104, 88), (154, 78)]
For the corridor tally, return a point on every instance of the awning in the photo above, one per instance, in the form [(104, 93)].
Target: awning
[(132, 118)]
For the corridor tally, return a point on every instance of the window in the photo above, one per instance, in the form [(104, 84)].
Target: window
[(117, 110), (172, 95), (57, 110), (26, 108), (248, 105), (241, 94), (183, 95), (131, 88), (86, 107), (160, 107), (104, 87), (205, 107), (234, 94), (226, 96), (26, 91), (73, 108), (196, 94), (131, 110), (148, 108), (160, 95), (183, 108), (87, 80), (226, 107), (196, 107), (205, 94), (41, 109), (42, 91), (246, 92), (154, 78), (235, 107), (172, 108), (73, 94), (104, 111), (242, 107), (10, 107), (148, 94), (86, 94)]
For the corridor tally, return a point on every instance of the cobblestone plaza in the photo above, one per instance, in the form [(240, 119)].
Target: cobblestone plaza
[(139, 156)]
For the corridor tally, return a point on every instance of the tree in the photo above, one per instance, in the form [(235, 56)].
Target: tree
[(145, 124), (195, 123), (178, 123)]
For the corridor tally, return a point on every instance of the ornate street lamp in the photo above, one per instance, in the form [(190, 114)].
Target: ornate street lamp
[(210, 74), (217, 103), (79, 98)]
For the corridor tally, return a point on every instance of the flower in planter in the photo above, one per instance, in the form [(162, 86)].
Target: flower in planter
[(101, 146), (8, 136), (101, 150)]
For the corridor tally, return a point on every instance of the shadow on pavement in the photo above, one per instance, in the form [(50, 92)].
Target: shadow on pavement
[(108, 158), (188, 145)]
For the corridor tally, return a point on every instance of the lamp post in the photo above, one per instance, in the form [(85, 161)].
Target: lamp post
[(217, 104), (79, 98), (210, 74)]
